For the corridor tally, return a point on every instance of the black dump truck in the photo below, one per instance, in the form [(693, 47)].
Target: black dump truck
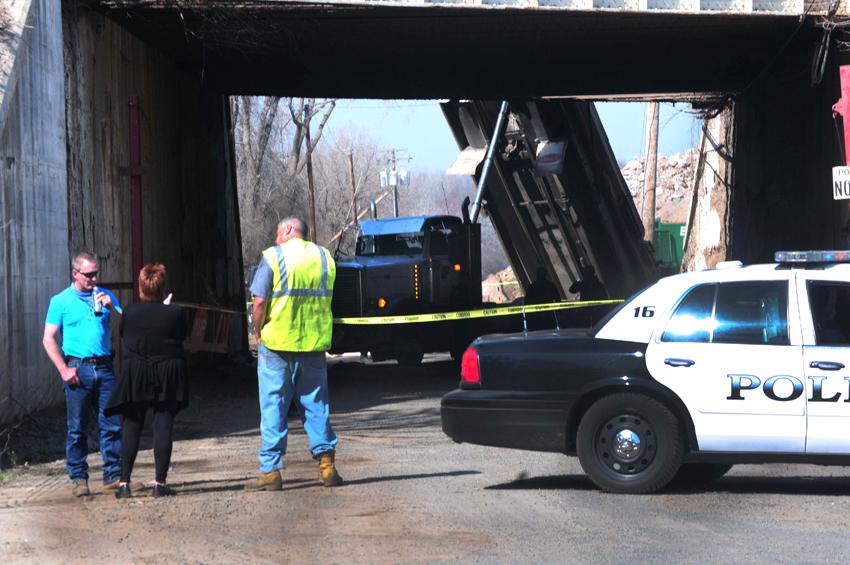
[(403, 266), (550, 184), (420, 265)]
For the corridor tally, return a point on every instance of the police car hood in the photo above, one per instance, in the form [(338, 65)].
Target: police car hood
[(363, 262)]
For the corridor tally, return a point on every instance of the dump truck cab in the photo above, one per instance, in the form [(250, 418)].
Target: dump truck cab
[(407, 265)]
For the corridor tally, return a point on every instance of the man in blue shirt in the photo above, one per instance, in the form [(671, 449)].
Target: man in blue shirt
[(82, 314)]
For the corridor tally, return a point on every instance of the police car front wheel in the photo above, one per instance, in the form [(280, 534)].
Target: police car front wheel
[(629, 443)]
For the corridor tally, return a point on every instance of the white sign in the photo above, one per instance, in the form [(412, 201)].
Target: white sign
[(841, 183)]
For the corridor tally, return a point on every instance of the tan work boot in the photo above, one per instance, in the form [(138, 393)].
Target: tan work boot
[(81, 488), (266, 481), (327, 471), (111, 487)]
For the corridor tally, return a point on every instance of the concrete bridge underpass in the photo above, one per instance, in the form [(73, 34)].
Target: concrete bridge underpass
[(492, 49), (74, 150)]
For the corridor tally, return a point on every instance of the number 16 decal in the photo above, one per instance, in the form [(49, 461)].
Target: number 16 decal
[(644, 312)]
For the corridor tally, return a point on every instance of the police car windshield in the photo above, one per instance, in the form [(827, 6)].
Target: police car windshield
[(390, 244)]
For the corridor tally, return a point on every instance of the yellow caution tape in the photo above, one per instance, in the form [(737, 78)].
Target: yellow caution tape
[(499, 283), (472, 314)]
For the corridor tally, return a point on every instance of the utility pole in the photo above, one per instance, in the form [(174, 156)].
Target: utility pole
[(650, 171), (353, 186), (394, 174), (391, 177), (311, 199)]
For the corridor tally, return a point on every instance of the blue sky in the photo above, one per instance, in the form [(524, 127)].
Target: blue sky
[(419, 127)]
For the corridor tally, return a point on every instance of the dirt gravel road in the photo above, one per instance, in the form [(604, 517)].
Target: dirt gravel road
[(410, 495)]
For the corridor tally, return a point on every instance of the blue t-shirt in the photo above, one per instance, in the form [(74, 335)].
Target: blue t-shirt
[(263, 280), (83, 333)]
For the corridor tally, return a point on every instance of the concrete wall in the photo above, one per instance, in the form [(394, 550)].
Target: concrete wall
[(708, 234), (33, 203), (63, 141), (190, 211)]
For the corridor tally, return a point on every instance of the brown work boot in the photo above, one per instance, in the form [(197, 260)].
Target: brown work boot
[(266, 481), (112, 487), (327, 471), (81, 488)]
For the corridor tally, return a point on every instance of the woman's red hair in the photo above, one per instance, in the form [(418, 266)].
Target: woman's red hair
[(152, 280)]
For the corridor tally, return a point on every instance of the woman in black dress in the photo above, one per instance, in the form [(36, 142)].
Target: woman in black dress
[(153, 376)]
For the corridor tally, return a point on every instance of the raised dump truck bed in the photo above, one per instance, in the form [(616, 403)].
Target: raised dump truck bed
[(555, 194)]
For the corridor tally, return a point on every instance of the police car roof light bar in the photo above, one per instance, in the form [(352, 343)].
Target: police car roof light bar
[(812, 256)]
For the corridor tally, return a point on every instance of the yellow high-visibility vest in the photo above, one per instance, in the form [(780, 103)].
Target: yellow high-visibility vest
[(298, 315)]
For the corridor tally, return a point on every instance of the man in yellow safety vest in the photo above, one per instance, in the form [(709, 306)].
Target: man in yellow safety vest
[(292, 291)]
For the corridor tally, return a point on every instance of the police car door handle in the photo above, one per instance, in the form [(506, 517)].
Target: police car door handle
[(826, 365), (678, 362)]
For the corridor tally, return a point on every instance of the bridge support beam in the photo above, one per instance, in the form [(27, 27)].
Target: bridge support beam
[(188, 202), (764, 182), (785, 146), (63, 149), (708, 235)]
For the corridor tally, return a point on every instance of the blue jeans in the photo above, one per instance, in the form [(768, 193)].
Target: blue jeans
[(284, 375), (96, 384)]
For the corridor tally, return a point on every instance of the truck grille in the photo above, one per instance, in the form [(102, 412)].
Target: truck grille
[(346, 298)]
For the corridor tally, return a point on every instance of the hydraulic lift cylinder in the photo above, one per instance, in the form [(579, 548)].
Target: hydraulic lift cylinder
[(488, 161)]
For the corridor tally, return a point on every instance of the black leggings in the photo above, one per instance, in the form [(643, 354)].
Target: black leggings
[(132, 423)]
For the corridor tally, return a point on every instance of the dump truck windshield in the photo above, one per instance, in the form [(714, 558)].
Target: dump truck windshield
[(390, 244)]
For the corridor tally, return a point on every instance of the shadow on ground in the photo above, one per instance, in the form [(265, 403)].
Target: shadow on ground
[(224, 403), (800, 485)]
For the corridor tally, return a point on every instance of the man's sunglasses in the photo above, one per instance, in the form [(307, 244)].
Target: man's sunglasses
[(89, 275)]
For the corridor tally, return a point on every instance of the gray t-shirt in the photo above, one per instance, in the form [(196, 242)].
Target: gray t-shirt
[(263, 280)]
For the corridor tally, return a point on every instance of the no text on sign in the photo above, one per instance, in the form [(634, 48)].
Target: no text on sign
[(841, 183)]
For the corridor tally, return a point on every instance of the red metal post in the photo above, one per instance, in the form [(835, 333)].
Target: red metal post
[(842, 108), (136, 242)]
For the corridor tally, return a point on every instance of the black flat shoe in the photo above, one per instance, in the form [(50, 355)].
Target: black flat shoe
[(163, 490), (123, 491)]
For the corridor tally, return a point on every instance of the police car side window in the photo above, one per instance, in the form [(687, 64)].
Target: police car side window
[(752, 313), (692, 321), (830, 303)]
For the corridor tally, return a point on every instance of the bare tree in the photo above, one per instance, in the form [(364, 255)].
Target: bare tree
[(334, 194), (302, 111), (269, 159)]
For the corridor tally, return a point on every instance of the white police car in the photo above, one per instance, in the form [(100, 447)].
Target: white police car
[(690, 376)]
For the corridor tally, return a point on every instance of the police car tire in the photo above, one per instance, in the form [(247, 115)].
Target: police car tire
[(657, 453)]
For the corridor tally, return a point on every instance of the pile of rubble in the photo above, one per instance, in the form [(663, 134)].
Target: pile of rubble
[(501, 287), (674, 178), (673, 184)]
